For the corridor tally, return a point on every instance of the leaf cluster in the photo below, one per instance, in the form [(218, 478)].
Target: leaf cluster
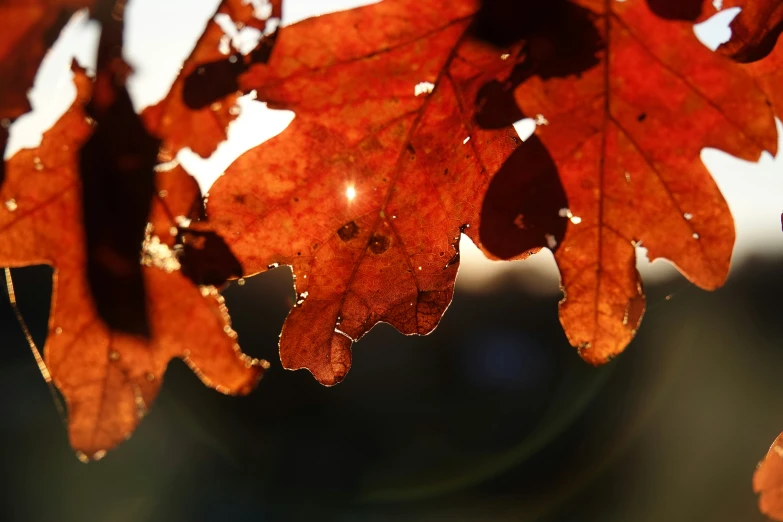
[(404, 139)]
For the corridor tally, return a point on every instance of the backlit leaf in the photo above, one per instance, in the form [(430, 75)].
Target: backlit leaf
[(629, 100), (121, 308), (202, 102), (755, 30), (364, 193)]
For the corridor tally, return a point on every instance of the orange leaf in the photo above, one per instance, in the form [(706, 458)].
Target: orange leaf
[(119, 312), (202, 101), (27, 29), (755, 29), (768, 481), (366, 192), (630, 100)]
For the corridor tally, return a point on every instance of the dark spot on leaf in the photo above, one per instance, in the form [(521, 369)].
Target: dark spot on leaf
[(379, 244), (432, 296), (348, 231), (641, 117)]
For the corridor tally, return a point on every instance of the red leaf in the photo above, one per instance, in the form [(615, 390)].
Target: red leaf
[(630, 100), (27, 29), (755, 30)]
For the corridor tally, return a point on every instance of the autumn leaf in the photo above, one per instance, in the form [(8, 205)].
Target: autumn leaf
[(400, 126), (27, 29), (768, 479), (629, 100), (121, 307), (202, 101), (366, 193), (754, 31)]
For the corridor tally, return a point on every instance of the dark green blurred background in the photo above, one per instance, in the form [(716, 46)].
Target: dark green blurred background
[(493, 417)]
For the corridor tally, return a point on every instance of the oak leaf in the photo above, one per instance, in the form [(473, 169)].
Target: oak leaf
[(109, 342), (403, 115), (754, 31), (629, 100), (753, 42), (27, 29), (366, 192), (202, 101)]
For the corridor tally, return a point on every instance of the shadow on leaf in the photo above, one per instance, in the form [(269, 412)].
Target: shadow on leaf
[(561, 40), (521, 210)]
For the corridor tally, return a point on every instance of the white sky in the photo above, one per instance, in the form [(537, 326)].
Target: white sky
[(160, 36)]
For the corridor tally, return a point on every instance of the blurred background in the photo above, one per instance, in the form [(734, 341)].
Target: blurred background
[(492, 417)]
